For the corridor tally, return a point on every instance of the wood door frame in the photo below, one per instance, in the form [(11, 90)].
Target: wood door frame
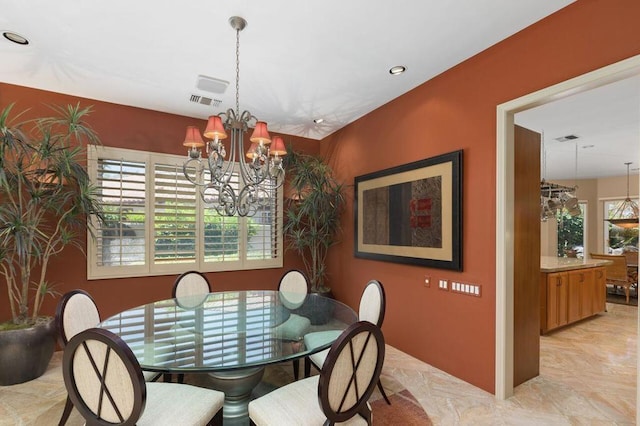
[(504, 202)]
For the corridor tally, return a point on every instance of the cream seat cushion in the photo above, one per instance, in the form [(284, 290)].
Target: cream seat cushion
[(319, 338), (295, 404), (293, 329), (178, 404)]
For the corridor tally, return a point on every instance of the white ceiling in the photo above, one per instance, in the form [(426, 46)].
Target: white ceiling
[(607, 123), (299, 60)]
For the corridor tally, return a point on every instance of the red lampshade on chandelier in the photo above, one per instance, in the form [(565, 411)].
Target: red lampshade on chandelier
[(260, 175)]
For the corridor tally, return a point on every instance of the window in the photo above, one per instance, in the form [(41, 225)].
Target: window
[(157, 223), (571, 232)]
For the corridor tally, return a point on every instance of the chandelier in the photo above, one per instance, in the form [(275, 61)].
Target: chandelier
[(626, 213), (236, 186)]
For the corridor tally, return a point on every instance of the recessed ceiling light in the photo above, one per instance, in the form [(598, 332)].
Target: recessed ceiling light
[(16, 38), (398, 69), (318, 120)]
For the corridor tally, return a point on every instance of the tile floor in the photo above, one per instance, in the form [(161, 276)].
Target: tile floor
[(588, 376)]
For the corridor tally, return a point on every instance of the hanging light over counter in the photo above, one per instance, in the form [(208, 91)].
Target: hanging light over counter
[(626, 213)]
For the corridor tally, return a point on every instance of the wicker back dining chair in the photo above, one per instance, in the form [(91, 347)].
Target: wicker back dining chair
[(76, 312), (106, 385), (616, 271), (190, 283), (341, 391), (372, 308), (190, 290), (292, 291)]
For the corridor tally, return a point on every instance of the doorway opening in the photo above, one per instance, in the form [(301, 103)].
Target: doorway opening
[(505, 202)]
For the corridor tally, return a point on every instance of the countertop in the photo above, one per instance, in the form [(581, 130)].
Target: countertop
[(557, 264)]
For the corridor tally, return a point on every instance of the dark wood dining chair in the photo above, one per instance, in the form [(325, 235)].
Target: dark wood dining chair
[(190, 283), (372, 308), (339, 394), (293, 289), (190, 290), (106, 385), (76, 312)]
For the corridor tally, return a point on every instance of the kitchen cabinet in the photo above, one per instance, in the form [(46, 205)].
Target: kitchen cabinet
[(599, 290), (554, 292), (570, 290)]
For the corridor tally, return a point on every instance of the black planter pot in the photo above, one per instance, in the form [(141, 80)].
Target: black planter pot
[(317, 308), (25, 353)]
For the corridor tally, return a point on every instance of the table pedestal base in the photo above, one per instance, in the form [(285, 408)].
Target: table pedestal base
[(237, 386)]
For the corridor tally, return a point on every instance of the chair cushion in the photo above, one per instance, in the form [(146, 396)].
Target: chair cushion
[(319, 338), (175, 404), (294, 404), (294, 328)]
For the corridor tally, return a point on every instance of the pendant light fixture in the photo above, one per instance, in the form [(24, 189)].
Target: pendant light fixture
[(237, 186), (626, 213)]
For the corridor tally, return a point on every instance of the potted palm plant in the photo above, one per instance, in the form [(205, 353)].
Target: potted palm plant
[(45, 200), (312, 226)]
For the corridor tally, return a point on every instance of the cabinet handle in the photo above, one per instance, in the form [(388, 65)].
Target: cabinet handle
[(558, 282)]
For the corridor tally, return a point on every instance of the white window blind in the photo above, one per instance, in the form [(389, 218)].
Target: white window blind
[(174, 231), (157, 223), (263, 233), (222, 234), (120, 237)]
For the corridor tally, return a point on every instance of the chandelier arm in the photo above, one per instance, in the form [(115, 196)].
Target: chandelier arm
[(220, 175), (196, 180), (248, 200)]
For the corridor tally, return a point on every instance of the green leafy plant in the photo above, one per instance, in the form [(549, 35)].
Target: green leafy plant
[(45, 200), (315, 205)]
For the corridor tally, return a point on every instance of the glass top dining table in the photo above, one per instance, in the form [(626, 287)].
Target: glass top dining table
[(231, 335), (222, 331)]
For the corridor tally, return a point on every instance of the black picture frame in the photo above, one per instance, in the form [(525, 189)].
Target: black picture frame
[(412, 213)]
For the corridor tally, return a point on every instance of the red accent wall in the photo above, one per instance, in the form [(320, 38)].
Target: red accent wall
[(457, 110), (133, 128)]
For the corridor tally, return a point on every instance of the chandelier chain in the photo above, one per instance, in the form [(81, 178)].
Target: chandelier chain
[(238, 72), (627, 164)]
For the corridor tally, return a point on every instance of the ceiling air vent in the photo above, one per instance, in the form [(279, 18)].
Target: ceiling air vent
[(205, 101), (567, 138), (210, 84)]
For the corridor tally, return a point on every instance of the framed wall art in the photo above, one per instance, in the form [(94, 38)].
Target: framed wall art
[(412, 213)]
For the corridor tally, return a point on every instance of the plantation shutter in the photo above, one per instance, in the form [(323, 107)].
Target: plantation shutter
[(262, 232), (221, 233), (120, 238), (174, 216)]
